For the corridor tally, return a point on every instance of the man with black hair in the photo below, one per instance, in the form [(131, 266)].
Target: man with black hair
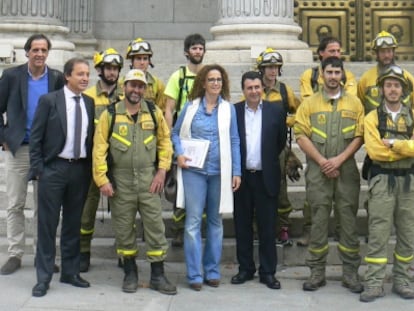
[(311, 81), (20, 89), (329, 128), (178, 87)]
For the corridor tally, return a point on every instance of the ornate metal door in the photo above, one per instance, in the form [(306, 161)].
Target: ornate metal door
[(356, 23)]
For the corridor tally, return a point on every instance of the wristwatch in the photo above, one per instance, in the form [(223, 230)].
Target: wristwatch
[(391, 142)]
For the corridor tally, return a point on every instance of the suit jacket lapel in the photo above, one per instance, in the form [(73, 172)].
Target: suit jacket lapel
[(265, 120), (61, 110), (51, 80)]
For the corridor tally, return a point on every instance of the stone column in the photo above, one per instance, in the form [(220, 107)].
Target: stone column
[(21, 18), (246, 27), (78, 15)]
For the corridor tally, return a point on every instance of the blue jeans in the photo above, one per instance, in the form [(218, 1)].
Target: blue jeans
[(202, 192)]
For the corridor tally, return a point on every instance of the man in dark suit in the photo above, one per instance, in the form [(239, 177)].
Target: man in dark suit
[(60, 158), (262, 131), (20, 89)]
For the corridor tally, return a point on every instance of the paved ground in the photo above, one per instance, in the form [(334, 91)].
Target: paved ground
[(105, 293)]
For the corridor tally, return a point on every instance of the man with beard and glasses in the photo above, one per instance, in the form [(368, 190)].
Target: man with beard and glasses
[(178, 87), (329, 130), (384, 46), (108, 64), (141, 152)]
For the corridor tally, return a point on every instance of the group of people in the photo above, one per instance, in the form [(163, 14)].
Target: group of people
[(119, 138)]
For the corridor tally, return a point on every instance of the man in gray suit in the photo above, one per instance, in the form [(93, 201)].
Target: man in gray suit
[(20, 89)]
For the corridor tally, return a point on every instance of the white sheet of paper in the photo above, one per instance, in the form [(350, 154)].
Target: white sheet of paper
[(196, 150)]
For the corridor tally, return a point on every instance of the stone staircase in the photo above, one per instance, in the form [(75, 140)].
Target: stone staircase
[(103, 243)]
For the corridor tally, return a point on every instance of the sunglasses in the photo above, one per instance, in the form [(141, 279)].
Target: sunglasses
[(137, 46)]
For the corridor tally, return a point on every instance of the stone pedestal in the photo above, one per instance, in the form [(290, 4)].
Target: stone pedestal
[(247, 27), (19, 19)]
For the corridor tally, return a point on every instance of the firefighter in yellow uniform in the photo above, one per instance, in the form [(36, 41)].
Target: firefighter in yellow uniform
[(140, 152), (390, 145), (270, 63), (311, 81), (384, 46), (140, 53), (329, 129), (108, 64)]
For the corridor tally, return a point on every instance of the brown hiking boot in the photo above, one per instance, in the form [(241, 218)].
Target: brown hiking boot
[(316, 280), (371, 293), (351, 281), (404, 291), (304, 239)]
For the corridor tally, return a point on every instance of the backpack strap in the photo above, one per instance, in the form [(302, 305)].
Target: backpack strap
[(283, 94), (183, 71), (314, 78), (152, 109)]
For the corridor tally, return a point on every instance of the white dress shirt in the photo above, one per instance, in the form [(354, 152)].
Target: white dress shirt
[(68, 152), (253, 123)]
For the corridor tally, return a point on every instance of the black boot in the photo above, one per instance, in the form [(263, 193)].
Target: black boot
[(158, 280), (85, 261), (130, 284)]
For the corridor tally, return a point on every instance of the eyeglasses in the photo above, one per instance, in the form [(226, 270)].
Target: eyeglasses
[(137, 46), (388, 41), (113, 58), (214, 80), (273, 57)]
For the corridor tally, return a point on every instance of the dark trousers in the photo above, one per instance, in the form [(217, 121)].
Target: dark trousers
[(62, 185), (252, 202)]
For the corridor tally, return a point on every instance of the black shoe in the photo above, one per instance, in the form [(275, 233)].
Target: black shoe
[(40, 289), (75, 280), (270, 281), (242, 277)]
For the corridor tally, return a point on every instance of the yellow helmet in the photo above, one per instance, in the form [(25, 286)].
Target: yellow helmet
[(109, 56), (269, 57), (138, 46), (394, 72), (384, 39)]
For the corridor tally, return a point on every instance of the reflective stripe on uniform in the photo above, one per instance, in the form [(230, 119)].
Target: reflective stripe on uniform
[(156, 253), (319, 132), (377, 261), (347, 250), (149, 139), (319, 250), (284, 210), (403, 259), (372, 101), (349, 128), (126, 252), (179, 218), (95, 121), (87, 232), (102, 167), (121, 139)]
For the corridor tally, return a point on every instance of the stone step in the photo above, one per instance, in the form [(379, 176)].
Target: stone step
[(287, 256)]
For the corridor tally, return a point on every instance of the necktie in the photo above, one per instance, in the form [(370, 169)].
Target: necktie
[(78, 129)]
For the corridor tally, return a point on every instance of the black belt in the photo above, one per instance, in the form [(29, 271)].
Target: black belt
[(72, 160), (376, 170), (253, 171)]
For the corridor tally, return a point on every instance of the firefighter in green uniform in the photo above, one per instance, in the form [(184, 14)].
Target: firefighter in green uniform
[(329, 129), (384, 46), (108, 64), (389, 142), (270, 63), (137, 139)]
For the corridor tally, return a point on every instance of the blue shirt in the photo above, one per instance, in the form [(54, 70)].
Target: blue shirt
[(35, 89), (205, 126)]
